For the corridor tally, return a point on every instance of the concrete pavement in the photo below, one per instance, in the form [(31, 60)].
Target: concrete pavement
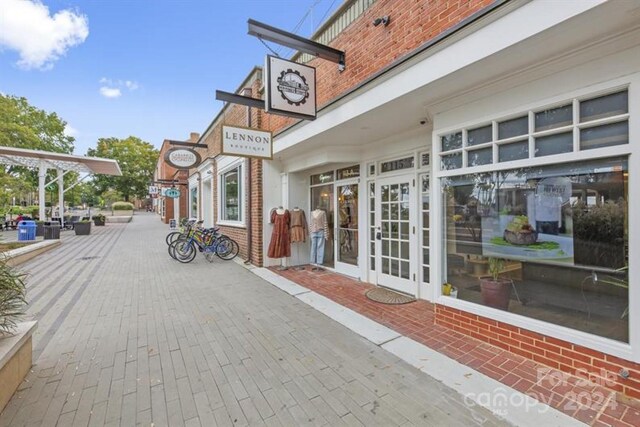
[(128, 337)]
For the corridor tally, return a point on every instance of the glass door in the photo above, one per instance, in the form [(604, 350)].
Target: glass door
[(322, 198), (395, 234), (346, 242)]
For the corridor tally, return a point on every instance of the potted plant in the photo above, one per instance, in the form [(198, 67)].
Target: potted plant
[(495, 291), (82, 228), (15, 337), (99, 219), (12, 297)]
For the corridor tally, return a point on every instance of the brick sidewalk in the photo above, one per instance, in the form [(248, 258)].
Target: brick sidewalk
[(585, 401), (127, 336)]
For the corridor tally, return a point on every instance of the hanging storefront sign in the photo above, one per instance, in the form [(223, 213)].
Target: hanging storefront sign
[(153, 190), (173, 193), (290, 88), (182, 158), (246, 142)]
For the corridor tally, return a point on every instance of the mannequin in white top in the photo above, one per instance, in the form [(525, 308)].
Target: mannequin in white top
[(319, 231)]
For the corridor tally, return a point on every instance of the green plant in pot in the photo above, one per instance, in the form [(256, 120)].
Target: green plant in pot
[(495, 291), (99, 219), (82, 228), (12, 297)]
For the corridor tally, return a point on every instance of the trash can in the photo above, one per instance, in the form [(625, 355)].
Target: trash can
[(51, 230), (26, 230)]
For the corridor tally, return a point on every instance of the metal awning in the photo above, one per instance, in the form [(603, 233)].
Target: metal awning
[(63, 163), (32, 159)]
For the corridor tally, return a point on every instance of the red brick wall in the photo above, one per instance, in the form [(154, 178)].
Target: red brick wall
[(571, 358), (369, 49), (237, 115)]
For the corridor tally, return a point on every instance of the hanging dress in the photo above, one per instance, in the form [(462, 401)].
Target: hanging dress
[(298, 226), (280, 246)]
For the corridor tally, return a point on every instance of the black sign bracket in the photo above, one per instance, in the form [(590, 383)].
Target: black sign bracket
[(294, 41)]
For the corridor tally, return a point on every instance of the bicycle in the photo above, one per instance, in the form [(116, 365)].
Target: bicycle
[(208, 242), (185, 228)]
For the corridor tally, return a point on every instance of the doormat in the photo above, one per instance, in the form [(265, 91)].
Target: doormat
[(385, 296)]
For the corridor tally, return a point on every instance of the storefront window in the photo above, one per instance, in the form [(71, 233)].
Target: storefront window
[(231, 198), (556, 236)]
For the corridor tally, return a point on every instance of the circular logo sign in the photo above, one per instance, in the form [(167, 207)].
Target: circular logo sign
[(173, 193), (182, 158), (293, 87)]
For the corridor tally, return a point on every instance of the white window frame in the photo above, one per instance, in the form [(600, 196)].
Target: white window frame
[(242, 209), (630, 351)]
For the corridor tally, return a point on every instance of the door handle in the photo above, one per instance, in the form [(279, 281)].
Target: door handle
[(378, 234)]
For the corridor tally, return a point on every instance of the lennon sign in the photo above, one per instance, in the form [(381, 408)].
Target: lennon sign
[(182, 158), (246, 142)]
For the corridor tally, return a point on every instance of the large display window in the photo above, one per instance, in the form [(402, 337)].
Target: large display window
[(554, 238)]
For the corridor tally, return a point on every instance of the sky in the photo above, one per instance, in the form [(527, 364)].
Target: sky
[(147, 68)]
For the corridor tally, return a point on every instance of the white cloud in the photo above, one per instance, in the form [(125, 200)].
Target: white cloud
[(113, 88), (131, 85), (70, 130), (110, 92), (40, 39)]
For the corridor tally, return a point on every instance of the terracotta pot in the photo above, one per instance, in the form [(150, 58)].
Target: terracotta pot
[(495, 293)]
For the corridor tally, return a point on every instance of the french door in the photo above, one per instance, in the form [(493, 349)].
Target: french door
[(395, 234), (346, 228)]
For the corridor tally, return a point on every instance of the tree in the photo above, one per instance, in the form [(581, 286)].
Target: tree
[(137, 160), (25, 126)]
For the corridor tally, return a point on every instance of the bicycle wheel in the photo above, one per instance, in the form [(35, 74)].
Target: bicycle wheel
[(172, 237), (184, 250), (227, 248)]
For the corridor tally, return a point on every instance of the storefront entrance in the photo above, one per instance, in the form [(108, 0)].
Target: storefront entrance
[(395, 233), (346, 231)]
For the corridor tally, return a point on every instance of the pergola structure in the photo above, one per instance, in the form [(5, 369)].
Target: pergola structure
[(63, 163)]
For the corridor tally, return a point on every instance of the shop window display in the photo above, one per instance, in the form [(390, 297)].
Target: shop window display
[(558, 233)]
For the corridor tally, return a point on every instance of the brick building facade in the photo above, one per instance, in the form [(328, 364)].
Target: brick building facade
[(440, 132)]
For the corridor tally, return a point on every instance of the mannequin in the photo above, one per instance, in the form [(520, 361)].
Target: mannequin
[(280, 245), (319, 232), (298, 231)]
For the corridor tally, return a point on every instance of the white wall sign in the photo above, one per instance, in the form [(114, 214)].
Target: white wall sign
[(153, 190), (290, 88), (246, 142), (182, 158)]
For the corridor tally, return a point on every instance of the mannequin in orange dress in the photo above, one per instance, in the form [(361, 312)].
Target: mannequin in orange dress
[(280, 245), (298, 232)]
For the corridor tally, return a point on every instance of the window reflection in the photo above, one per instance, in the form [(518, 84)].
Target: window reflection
[(560, 234)]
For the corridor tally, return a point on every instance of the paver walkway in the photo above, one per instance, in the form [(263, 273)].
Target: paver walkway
[(129, 337)]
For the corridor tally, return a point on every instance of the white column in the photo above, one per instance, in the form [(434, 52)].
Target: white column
[(60, 197), (42, 174)]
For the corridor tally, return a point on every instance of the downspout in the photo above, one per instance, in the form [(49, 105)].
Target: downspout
[(247, 92), (199, 181)]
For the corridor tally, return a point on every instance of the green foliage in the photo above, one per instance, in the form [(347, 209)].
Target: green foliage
[(122, 206), (111, 196), (600, 223), (25, 126), (137, 160), (12, 297), (546, 246), (519, 223), (495, 267), (99, 217)]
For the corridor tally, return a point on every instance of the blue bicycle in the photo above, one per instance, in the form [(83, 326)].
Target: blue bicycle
[(207, 241)]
